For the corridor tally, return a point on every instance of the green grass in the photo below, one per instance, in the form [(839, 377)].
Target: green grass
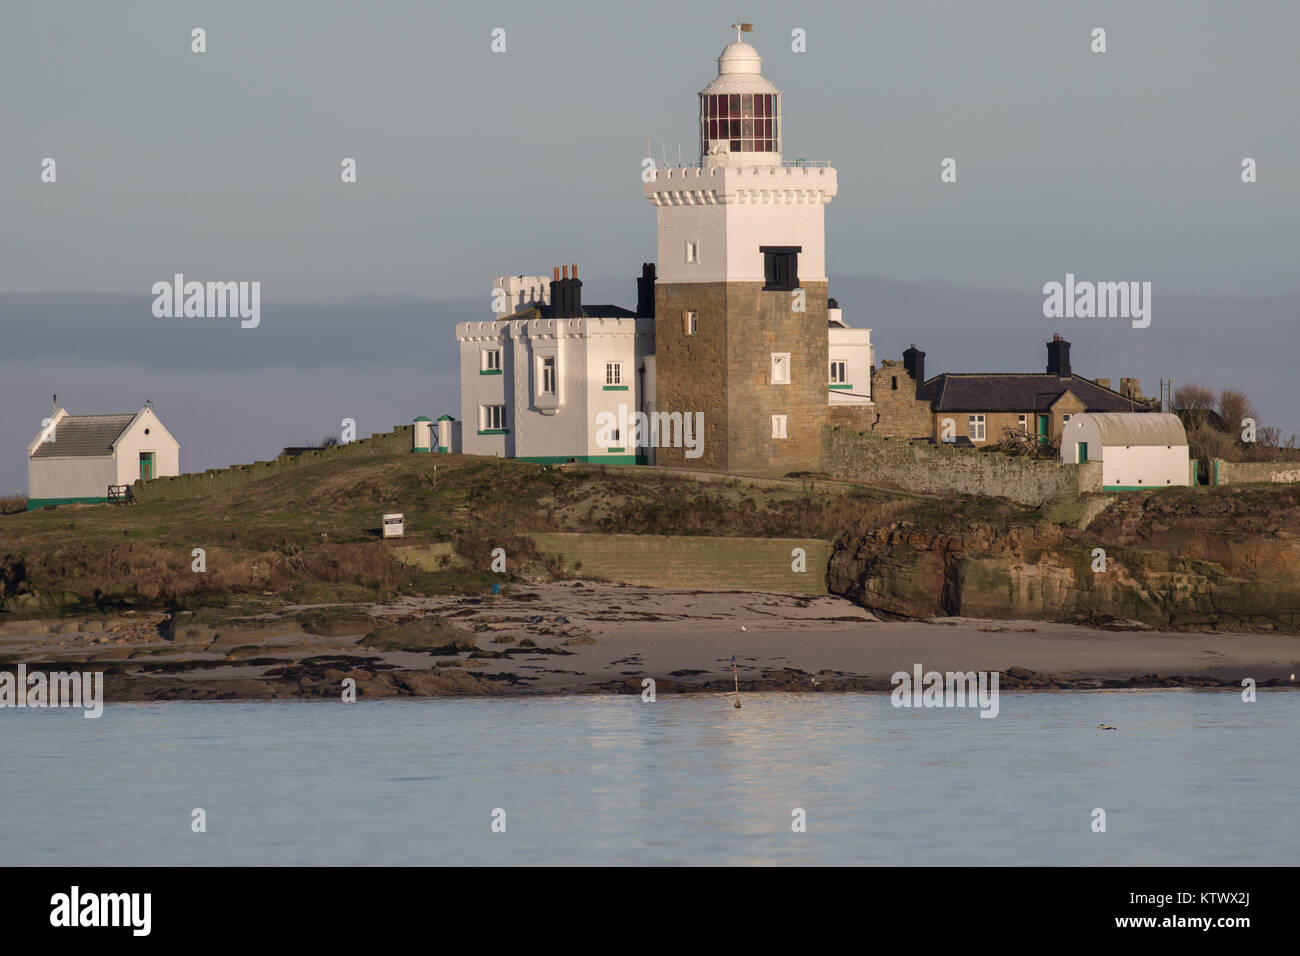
[(312, 534)]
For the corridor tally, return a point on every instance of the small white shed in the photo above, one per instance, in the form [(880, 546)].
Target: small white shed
[(1137, 450), (75, 458)]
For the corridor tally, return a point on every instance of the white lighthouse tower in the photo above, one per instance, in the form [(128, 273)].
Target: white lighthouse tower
[(741, 293)]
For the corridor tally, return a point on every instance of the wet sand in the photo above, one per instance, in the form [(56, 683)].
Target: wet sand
[(597, 638)]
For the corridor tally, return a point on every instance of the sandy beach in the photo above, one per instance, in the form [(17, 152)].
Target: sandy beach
[(599, 638)]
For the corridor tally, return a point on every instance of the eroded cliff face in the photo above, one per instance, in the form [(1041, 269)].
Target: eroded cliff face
[(1196, 559)]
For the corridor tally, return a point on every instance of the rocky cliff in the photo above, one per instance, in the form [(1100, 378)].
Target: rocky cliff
[(1197, 559)]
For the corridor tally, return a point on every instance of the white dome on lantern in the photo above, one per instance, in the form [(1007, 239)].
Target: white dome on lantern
[(740, 71), (739, 57)]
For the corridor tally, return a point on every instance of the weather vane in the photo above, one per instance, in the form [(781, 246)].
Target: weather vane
[(747, 27)]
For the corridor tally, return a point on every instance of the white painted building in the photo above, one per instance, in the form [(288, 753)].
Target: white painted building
[(512, 293), (534, 383), (75, 458), (1137, 450), (538, 376), (852, 360)]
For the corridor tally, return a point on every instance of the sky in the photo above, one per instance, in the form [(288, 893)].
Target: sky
[(225, 165)]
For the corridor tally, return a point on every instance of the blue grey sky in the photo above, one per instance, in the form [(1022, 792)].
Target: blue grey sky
[(225, 166)]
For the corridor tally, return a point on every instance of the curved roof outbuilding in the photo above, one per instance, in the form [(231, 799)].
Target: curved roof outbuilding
[(1137, 428)]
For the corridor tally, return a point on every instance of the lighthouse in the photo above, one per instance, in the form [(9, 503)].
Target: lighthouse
[(741, 309)]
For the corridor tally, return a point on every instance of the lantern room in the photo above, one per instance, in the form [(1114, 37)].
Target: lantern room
[(740, 111)]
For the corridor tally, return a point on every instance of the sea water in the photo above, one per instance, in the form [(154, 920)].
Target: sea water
[(1188, 777)]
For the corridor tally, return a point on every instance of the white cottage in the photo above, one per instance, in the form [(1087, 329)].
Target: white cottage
[(537, 382), (1137, 450), (852, 359), (75, 458)]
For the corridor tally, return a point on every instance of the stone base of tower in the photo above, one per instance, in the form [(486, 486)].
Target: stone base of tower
[(724, 369)]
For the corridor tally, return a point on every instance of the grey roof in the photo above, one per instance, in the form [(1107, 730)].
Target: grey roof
[(530, 312), (1017, 392), (1152, 428), (84, 436)]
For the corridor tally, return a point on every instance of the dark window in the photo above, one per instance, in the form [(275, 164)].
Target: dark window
[(781, 267), (894, 383)]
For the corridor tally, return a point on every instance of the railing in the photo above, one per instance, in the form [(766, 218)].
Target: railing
[(789, 164)]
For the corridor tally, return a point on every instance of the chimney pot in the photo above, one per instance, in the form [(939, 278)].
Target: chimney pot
[(565, 270), (557, 273), (575, 270)]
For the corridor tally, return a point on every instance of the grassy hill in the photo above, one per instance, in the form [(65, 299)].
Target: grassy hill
[(313, 534)]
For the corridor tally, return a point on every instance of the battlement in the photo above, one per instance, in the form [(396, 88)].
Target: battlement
[(685, 185), (501, 329)]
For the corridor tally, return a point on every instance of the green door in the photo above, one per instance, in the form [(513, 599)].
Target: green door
[(1042, 429), (1083, 451), (146, 465)]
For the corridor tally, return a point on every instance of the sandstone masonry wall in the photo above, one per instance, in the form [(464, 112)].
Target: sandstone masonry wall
[(1240, 472), (943, 468)]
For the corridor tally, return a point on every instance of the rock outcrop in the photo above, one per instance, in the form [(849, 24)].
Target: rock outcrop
[(1178, 559)]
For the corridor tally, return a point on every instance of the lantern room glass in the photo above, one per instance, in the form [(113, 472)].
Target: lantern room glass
[(748, 121)]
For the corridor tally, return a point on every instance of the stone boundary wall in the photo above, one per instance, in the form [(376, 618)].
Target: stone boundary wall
[(942, 468), (214, 480), (692, 562), (1241, 472)]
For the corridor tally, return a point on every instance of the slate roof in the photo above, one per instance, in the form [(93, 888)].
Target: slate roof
[(588, 312), (84, 436), (1017, 392)]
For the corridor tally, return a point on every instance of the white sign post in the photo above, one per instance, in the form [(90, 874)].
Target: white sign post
[(393, 525)]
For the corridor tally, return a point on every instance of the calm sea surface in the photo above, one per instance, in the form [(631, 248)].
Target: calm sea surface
[(1190, 777)]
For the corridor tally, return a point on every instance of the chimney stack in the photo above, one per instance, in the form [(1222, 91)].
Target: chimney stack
[(575, 295), (558, 294), (1058, 357), (645, 291), (914, 365), (566, 294)]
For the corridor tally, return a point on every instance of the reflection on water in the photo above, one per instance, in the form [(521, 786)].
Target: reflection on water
[(1188, 778)]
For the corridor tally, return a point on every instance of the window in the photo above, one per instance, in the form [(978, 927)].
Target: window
[(778, 426), (613, 373), (1023, 423), (548, 375), (839, 373), (977, 428), (780, 368), (780, 267), (690, 322), (893, 383), (1065, 418), (494, 418), (692, 250), (492, 360), (746, 121)]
